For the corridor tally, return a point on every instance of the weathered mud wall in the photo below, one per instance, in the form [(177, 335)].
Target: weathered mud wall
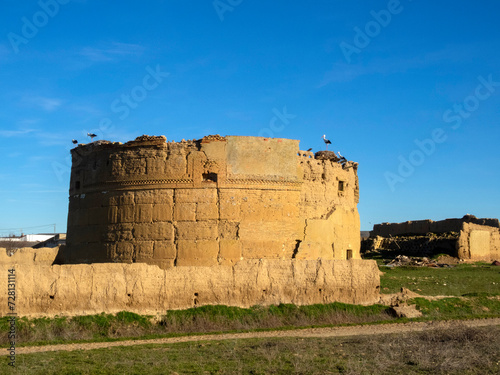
[(428, 226), (210, 202), (479, 242), (46, 290), (469, 238)]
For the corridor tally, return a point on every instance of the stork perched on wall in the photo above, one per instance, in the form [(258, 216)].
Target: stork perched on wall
[(327, 141), (342, 158), (74, 141), (92, 136)]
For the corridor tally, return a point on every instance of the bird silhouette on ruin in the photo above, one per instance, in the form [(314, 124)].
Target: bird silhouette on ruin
[(327, 141)]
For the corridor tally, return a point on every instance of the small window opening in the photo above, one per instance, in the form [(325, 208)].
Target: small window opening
[(349, 254), (341, 185), (210, 177)]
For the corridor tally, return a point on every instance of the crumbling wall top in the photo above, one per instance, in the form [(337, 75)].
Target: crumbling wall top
[(429, 226)]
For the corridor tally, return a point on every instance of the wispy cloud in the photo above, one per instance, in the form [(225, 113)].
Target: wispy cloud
[(345, 72), (37, 158), (30, 192), (54, 139), (27, 122), (40, 188), (87, 109), (15, 133), (111, 52), (45, 103)]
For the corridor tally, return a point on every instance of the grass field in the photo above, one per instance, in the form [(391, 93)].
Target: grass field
[(461, 280), (204, 319), (460, 351)]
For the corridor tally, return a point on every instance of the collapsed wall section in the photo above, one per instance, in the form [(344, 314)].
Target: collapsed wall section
[(468, 238), (478, 243), (417, 227), (328, 202)]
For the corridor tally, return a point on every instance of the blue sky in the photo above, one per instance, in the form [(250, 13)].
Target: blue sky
[(409, 89)]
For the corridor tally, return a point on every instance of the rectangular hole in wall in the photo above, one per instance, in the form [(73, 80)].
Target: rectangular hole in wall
[(349, 254), (341, 185), (210, 177)]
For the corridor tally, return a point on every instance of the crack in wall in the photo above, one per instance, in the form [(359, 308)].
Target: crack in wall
[(174, 224), (296, 249), (218, 226)]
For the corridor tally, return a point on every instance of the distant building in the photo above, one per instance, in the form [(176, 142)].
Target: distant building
[(54, 241), (468, 238), (37, 240)]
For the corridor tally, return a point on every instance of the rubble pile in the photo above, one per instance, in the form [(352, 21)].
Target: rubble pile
[(406, 261), (413, 245)]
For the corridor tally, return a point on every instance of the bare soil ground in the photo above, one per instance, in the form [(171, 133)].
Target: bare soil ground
[(363, 330)]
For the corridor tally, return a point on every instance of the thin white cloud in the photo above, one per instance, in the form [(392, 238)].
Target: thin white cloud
[(28, 122), (54, 139), (37, 158), (15, 133), (111, 52), (31, 192), (87, 109), (46, 191), (31, 185), (45, 103), (345, 72)]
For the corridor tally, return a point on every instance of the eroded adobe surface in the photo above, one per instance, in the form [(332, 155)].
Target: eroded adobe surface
[(468, 238), (44, 289), (207, 202)]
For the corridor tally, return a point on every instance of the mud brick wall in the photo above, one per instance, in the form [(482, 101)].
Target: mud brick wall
[(214, 201), (429, 226), (479, 242), (471, 240), (43, 289)]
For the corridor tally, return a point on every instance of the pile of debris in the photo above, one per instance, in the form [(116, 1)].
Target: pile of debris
[(403, 260), (413, 245)]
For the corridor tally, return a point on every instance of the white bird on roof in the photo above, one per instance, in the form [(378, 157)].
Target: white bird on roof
[(92, 136), (327, 141), (74, 141)]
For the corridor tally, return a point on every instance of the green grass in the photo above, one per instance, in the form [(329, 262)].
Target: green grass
[(480, 278), (204, 319), (459, 308), (461, 351), (216, 319)]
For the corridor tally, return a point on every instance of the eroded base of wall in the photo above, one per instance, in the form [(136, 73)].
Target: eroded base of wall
[(46, 290)]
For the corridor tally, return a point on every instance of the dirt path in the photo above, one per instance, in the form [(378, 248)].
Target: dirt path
[(308, 332)]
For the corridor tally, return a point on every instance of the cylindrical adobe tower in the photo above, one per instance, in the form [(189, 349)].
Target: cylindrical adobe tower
[(209, 202)]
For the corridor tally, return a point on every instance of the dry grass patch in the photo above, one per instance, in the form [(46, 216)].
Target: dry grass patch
[(460, 351)]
